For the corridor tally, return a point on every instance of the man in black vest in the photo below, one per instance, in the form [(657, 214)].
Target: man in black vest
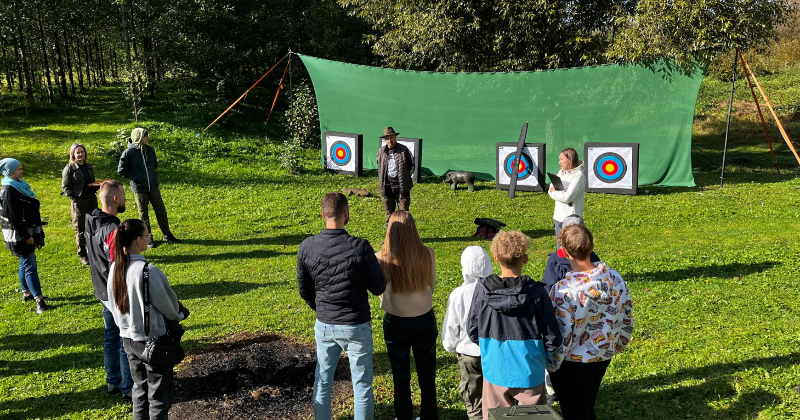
[(395, 166), (100, 226)]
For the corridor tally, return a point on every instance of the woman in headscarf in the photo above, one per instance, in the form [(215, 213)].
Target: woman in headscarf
[(76, 180), (22, 228)]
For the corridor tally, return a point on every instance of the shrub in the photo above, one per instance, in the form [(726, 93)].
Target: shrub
[(302, 118)]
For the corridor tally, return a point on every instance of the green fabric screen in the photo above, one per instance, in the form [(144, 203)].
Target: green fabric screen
[(460, 116)]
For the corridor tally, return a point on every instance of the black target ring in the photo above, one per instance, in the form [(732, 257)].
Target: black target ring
[(527, 161), (610, 168)]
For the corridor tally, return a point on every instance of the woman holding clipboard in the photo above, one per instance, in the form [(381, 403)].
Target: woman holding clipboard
[(569, 199)]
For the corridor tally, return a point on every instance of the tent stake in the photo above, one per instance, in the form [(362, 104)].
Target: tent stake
[(728, 126)]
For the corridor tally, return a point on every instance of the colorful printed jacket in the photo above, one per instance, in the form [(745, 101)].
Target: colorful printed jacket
[(595, 315), (512, 321)]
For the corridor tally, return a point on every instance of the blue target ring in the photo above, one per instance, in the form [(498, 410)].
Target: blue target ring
[(526, 165), (340, 153), (610, 167)]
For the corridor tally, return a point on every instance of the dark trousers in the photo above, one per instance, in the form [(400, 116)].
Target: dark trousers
[(471, 385), (403, 335), (79, 209), (577, 385), (152, 388), (153, 198), (393, 198), (557, 226)]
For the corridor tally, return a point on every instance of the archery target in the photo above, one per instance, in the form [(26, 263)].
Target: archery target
[(531, 166), (612, 167), (343, 152)]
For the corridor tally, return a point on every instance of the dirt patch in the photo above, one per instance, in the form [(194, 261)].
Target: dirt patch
[(251, 377)]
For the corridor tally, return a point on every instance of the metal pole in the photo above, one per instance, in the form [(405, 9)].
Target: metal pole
[(728, 126), (291, 91)]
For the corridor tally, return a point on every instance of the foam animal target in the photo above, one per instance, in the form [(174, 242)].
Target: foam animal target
[(343, 152), (531, 166), (612, 167)]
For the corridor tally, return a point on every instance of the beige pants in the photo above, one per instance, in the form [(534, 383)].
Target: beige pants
[(471, 385), (495, 396), (79, 209)]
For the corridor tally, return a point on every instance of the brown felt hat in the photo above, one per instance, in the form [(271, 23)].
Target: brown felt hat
[(389, 131)]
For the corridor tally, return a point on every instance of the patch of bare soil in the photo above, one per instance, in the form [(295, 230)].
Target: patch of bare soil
[(251, 377)]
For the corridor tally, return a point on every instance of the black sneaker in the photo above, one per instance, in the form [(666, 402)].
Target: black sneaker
[(151, 243), (127, 398), (113, 390), (172, 240), (41, 306), (27, 298)]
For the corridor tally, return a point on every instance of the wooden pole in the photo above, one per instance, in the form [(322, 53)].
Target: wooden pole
[(760, 114), (728, 126)]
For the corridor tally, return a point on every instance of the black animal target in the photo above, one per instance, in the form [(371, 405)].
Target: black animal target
[(342, 153), (612, 167), (531, 166)]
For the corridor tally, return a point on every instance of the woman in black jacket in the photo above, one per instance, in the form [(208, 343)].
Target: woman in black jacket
[(75, 183), (22, 228)]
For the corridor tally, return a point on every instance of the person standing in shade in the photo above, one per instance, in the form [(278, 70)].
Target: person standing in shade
[(395, 167), (75, 184), (138, 162), (335, 273), (569, 201), (22, 224), (409, 323), (99, 230)]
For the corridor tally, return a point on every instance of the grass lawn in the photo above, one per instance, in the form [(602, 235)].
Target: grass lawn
[(710, 269)]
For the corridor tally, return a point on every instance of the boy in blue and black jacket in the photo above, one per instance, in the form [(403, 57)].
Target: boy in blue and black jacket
[(513, 321)]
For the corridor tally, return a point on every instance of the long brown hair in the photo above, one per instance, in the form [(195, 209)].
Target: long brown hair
[(407, 263), (124, 236)]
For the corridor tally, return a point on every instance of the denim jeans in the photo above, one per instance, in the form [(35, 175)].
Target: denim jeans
[(118, 370), (29, 275), (356, 340)]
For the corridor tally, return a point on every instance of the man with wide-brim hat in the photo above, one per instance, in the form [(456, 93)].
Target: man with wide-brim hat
[(395, 166)]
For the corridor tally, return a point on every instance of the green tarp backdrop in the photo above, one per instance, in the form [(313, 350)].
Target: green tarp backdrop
[(460, 116)]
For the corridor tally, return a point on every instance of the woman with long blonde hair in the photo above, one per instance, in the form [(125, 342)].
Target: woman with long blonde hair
[(409, 323)]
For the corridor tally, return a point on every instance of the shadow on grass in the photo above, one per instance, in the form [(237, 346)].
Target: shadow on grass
[(228, 288), (452, 239), (39, 342), (541, 233), (193, 258), (637, 398), (57, 363), (57, 405), (711, 271), (289, 240)]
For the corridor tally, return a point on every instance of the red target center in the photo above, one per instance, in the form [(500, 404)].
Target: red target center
[(522, 166), (340, 153), (610, 168)]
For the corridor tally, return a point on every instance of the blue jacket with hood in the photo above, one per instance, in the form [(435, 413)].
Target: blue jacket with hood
[(513, 321)]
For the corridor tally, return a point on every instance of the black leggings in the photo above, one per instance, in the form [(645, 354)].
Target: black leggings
[(577, 385)]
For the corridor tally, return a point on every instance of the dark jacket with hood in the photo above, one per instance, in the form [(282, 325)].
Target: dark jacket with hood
[(404, 163), (138, 162), (558, 266), (334, 273), (513, 321), (99, 226), (20, 219)]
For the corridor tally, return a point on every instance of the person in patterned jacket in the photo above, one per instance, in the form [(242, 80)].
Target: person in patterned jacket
[(593, 310)]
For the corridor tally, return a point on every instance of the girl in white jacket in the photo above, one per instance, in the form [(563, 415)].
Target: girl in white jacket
[(569, 201), (475, 265)]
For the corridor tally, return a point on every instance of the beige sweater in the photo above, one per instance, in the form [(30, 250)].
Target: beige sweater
[(408, 304)]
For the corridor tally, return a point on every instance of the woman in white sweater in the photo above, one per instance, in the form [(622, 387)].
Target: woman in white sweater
[(569, 201), (142, 314)]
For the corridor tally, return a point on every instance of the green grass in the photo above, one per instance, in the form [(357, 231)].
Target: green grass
[(711, 270)]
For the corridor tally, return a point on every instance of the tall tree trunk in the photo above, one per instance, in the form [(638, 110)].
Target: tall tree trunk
[(20, 77), (24, 59), (102, 65), (9, 73), (69, 63), (50, 98), (80, 66), (89, 62), (113, 52), (62, 78)]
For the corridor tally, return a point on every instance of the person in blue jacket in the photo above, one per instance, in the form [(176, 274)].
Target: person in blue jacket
[(513, 322)]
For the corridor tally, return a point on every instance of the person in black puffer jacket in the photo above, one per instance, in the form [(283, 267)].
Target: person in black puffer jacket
[(335, 271), (22, 228)]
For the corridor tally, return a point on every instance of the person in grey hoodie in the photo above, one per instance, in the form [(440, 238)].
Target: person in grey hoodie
[(138, 162), (140, 321), (475, 266)]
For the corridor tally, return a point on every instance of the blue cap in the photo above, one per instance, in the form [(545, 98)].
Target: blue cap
[(9, 165)]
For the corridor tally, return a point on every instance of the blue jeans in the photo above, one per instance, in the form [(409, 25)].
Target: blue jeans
[(118, 370), (29, 275), (356, 340)]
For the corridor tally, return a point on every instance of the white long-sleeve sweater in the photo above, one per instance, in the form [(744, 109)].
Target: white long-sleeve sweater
[(575, 183), (475, 265), (163, 301)]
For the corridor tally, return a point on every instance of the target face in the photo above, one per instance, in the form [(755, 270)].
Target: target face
[(414, 146), (525, 166), (530, 166), (612, 167), (341, 153)]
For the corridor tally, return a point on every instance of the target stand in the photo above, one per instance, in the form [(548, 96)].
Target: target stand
[(342, 153), (415, 147), (531, 169), (612, 168)]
